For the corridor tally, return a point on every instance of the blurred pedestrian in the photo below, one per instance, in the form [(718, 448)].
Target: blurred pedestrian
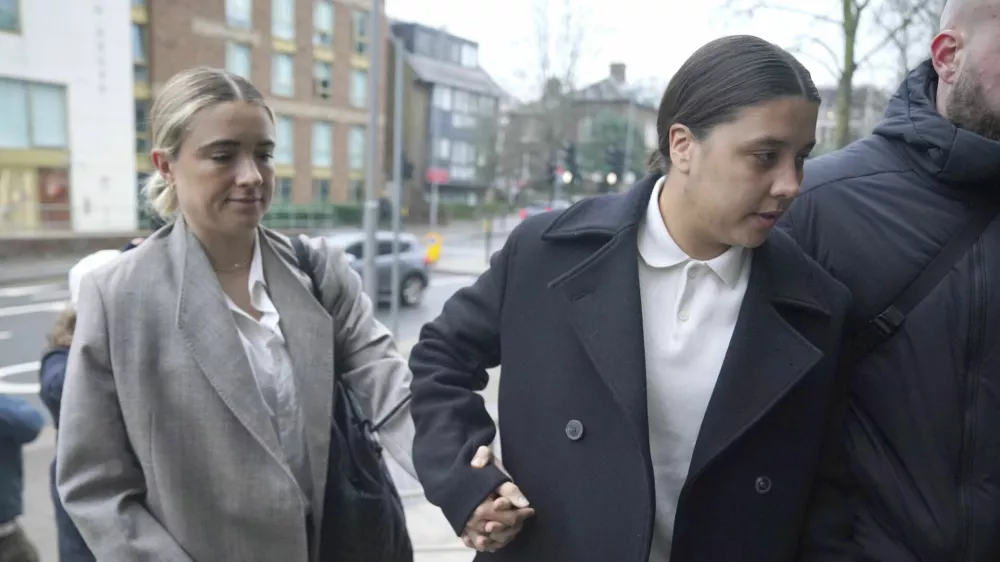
[(196, 414), (669, 361), (72, 547), (906, 218), (20, 424)]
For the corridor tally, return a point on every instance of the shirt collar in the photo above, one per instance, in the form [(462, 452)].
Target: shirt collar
[(256, 266), (659, 250)]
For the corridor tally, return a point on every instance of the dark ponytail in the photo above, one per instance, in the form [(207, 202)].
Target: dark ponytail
[(719, 80)]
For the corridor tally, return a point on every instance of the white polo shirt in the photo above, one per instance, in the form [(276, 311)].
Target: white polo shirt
[(689, 311)]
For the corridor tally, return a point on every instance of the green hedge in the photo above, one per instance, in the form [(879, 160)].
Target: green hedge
[(285, 216), (455, 211)]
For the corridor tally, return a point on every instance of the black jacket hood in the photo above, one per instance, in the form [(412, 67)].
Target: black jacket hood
[(953, 156)]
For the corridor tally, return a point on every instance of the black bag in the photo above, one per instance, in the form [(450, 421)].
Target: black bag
[(363, 517), (880, 328)]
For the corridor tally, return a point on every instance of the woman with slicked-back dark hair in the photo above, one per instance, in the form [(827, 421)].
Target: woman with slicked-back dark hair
[(668, 361)]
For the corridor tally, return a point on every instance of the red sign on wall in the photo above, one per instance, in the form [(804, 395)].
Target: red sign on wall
[(437, 175)]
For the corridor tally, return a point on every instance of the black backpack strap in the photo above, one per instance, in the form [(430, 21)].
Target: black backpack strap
[(880, 328), (305, 264)]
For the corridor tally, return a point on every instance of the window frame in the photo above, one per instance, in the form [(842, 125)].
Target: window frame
[(327, 162), (359, 33), (276, 86), (17, 18), (317, 31), (231, 8), (241, 47), (363, 101), (277, 24)]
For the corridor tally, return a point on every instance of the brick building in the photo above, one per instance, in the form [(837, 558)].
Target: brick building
[(310, 58)]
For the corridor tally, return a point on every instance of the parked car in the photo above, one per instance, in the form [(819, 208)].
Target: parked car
[(540, 207), (414, 273)]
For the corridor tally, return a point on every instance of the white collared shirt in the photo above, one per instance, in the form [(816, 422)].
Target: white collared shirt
[(689, 311), (271, 364)]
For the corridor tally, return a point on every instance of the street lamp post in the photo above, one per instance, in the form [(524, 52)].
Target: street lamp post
[(370, 218)]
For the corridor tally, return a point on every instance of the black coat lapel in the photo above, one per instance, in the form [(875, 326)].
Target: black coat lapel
[(602, 291), (767, 356), (605, 311)]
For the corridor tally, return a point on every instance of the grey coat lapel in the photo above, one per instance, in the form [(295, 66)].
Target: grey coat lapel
[(209, 330), (309, 337)]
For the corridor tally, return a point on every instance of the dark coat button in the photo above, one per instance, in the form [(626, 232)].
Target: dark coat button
[(762, 484), (574, 430)]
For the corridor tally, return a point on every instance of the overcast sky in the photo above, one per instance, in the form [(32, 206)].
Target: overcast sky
[(652, 37)]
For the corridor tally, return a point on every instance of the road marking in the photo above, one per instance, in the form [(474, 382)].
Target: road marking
[(54, 306), (28, 290), (54, 295), (450, 280), (19, 387), (5, 335)]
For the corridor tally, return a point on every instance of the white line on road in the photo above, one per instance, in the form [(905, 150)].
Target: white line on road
[(19, 387), (5, 335), (54, 306), (451, 280), (27, 290)]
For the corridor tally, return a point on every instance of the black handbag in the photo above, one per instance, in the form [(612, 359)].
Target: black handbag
[(363, 517)]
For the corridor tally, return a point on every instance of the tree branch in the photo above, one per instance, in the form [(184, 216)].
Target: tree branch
[(890, 36), (787, 9), (836, 69)]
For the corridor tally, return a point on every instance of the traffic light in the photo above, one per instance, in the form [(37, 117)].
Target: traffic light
[(615, 161), (550, 174), (569, 162), (407, 169)]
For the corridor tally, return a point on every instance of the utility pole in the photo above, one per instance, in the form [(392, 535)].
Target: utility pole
[(397, 177), (370, 219), (435, 197), (629, 175)]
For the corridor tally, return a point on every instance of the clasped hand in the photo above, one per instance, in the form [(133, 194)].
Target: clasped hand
[(501, 515)]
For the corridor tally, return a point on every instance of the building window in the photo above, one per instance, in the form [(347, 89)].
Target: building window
[(487, 105), (283, 75), (140, 62), (463, 101), (359, 88), (460, 121), (323, 23), (142, 140), (356, 148), (470, 58), (422, 44), (283, 19), (321, 190), (323, 78), (34, 115), (284, 137), (442, 97), (322, 145), (238, 59), (442, 149), (238, 13), (283, 190), (10, 16), (360, 32)]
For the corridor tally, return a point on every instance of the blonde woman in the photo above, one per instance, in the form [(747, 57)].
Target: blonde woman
[(196, 412)]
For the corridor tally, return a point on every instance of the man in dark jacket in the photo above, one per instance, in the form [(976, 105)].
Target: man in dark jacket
[(922, 434), (20, 424)]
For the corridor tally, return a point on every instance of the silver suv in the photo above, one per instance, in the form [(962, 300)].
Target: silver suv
[(414, 273)]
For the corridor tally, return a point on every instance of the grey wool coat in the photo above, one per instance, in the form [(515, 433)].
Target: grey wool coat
[(166, 449)]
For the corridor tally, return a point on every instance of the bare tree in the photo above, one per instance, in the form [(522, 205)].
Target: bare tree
[(912, 43), (540, 128), (844, 60)]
